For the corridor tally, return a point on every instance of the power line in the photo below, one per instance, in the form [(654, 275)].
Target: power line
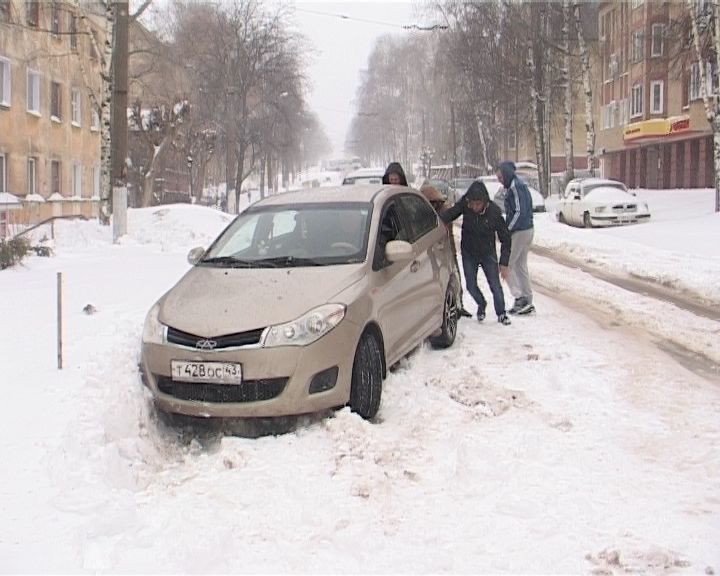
[(378, 22)]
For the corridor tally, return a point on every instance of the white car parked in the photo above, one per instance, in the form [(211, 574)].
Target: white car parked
[(593, 202), (364, 176)]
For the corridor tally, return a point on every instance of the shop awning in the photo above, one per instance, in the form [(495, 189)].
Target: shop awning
[(656, 128)]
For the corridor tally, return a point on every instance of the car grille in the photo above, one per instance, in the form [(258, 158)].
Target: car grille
[(247, 391), (227, 341), (622, 208)]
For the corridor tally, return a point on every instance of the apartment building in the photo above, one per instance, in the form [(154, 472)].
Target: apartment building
[(652, 130), (49, 131)]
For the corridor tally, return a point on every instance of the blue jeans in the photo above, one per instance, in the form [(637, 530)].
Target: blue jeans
[(489, 265)]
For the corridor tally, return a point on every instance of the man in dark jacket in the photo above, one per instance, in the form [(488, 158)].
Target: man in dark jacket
[(482, 222), (519, 216), (394, 174)]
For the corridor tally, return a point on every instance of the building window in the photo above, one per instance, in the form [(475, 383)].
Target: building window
[(77, 180), (33, 92), (638, 46), (55, 177), (96, 181), (73, 32), (4, 9), (76, 110), (32, 12), (512, 140), (31, 176), (55, 102), (4, 82), (3, 183), (624, 108), (658, 35), (609, 115), (656, 97), (694, 91), (636, 106), (95, 120), (55, 19)]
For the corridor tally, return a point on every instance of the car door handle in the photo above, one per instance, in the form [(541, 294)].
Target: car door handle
[(415, 266)]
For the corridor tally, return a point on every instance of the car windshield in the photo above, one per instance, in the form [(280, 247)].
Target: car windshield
[(318, 234), (587, 188)]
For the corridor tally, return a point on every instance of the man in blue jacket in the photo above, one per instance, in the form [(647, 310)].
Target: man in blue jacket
[(519, 218)]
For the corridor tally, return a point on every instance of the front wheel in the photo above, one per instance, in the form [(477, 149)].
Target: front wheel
[(367, 376), (448, 330), (561, 218), (586, 220)]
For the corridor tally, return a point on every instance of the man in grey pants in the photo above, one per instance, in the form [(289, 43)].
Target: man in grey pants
[(519, 218)]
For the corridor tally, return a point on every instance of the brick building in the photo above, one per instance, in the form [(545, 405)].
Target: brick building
[(652, 127)]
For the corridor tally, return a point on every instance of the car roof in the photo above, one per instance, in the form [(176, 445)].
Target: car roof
[(595, 181), (331, 194)]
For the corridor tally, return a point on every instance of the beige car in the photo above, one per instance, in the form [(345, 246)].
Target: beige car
[(301, 304)]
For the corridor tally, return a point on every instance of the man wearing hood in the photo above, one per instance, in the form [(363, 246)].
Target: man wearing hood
[(394, 174), (519, 216), (482, 222)]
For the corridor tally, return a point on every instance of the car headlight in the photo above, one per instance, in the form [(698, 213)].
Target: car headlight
[(599, 209), (153, 331), (306, 329)]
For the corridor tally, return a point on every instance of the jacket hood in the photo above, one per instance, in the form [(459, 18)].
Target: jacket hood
[(478, 191), (507, 170), (394, 168)]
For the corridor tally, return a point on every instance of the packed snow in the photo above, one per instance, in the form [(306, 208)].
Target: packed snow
[(568, 442)]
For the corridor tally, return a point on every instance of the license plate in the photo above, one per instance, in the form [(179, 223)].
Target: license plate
[(214, 372)]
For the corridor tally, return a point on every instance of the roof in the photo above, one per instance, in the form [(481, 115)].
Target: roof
[(594, 181), (356, 193)]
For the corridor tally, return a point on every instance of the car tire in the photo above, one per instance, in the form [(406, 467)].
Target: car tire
[(367, 377), (561, 218), (586, 220), (448, 330)]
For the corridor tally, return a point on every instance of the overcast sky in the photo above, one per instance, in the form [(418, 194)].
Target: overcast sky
[(342, 47)]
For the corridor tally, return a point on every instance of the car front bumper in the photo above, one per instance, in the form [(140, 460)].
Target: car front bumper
[(618, 219), (275, 381)]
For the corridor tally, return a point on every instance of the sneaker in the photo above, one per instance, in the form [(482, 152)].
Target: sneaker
[(481, 315), (462, 313), (518, 305), (504, 319), (526, 309)]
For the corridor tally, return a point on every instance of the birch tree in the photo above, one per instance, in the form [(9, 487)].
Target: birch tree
[(566, 78), (587, 90), (706, 22)]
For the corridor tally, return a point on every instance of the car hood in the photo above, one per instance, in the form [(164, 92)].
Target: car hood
[(210, 301), (610, 195)]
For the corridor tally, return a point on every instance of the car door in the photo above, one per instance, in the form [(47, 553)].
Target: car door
[(393, 284), (431, 247), (577, 206)]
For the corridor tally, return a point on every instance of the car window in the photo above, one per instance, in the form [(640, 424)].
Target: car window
[(590, 187), (421, 217), (391, 227)]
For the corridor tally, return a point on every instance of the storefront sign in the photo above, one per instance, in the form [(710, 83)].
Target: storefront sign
[(656, 128)]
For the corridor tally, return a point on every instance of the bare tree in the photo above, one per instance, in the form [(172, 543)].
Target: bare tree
[(705, 26), (587, 89)]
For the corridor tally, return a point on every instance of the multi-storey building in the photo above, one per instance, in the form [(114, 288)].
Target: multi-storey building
[(652, 130), (49, 131)]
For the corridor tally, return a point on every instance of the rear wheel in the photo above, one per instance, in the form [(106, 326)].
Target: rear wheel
[(450, 319), (586, 220), (367, 376), (561, 218)]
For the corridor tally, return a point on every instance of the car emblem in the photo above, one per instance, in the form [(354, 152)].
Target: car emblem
[(206, 344)]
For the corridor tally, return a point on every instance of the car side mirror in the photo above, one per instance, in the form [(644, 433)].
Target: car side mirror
[(398, 251), (195, 254)]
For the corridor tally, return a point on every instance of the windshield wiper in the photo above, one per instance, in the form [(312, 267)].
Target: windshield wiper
[(229, 261), (287, 261)]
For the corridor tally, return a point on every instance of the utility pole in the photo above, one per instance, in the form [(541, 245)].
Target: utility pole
[(454, 141), (119, 119)]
